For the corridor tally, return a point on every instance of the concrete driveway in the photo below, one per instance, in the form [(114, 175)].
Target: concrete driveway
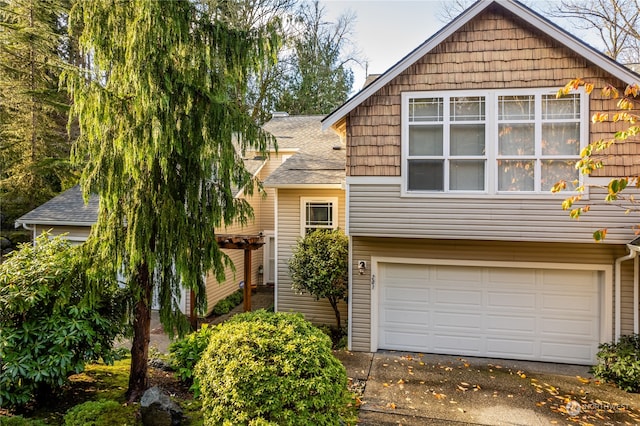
[(403, 388)]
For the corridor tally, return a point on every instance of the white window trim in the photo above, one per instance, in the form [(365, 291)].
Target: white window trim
[(303, 211), (491, 121)]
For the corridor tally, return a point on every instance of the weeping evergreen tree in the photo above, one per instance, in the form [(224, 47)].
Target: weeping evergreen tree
[(34, 146), (163, 130)]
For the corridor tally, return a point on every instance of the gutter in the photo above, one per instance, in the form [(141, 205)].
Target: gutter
[(634, 249)]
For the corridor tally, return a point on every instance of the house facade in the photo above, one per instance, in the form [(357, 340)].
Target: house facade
[(451, 155)]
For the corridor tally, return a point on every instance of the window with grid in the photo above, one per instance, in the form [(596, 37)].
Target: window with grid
[(492, 141), (318, 214)]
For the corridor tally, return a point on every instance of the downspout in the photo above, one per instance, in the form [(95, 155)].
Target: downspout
[(636, 296), (32, 229), (633, 252)]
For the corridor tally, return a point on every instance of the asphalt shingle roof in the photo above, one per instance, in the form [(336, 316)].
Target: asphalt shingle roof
[(317, 161), (67, 208)]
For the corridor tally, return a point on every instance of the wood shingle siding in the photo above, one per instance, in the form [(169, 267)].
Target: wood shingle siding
[(364, 248), (492, 51)]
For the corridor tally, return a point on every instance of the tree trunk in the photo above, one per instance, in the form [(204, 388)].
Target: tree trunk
[(138, 380), (336, 311)]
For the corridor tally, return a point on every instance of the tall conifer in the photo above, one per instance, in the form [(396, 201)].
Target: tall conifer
[(34, 146), (163, 131)]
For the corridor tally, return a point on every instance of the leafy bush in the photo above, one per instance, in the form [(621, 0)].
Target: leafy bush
[(185, 353), (319, 266), (100, 413), (53, 319), (225, 305), (619, 363), (262, 368)]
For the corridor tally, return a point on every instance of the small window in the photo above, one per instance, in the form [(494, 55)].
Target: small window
[(318, 214)]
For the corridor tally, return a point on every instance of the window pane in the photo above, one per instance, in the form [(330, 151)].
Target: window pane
[(566, 107), (556, 170), (516, 175), (466, 175), (427, 109), (516, 107), (319, 214), (560, 138), (467, 108), (467, 139), (427, 175), (425, 140), (516, 139)]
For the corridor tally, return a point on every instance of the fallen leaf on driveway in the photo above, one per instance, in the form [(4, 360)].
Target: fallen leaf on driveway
[(439, 395), (391, 405), (583, 380)]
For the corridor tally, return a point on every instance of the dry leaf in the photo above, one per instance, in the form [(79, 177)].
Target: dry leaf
[(400, 382), (583, 380), (391, 405)]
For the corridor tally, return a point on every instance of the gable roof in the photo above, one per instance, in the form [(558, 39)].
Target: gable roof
[(320, 157), (539, 22)]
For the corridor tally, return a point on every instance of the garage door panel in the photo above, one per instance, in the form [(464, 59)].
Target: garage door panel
[(581, 303), (519, 313), (457, 343), (406, 295), (456, 320), (405, 317), (511, 299), (454, 275), (458, 297), (511, 278), (511, 348), (510, 324), (574, 353), (572, 327)]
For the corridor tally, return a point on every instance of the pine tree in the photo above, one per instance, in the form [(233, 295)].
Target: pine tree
[(34, 144), (163, 132)]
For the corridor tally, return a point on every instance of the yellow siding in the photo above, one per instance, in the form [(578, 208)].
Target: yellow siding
[(319, 312), (364, 248), (75, 233)]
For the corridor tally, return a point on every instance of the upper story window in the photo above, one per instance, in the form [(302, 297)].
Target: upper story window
[(318, 214), (497, 142)]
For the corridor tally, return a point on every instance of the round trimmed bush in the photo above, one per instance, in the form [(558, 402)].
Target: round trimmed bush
[(264, 368), (100, 413)]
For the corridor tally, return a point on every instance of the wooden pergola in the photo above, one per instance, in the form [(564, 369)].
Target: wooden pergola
[(248, 243)]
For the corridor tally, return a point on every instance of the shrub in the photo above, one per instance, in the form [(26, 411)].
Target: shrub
[(185, 353), (319, 265), (51, 321), (225, 305), (20, 421), (100, 413), (619, 363), (262, 368)]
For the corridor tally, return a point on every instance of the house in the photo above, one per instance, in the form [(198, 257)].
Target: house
[(450, 156), (300, 136)]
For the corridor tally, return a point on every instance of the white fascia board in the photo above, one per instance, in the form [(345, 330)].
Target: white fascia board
[(53, 222), (374, 180), (592, 55), (306, 186)]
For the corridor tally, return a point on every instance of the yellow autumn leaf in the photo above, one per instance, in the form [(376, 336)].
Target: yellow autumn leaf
[(583, 380)]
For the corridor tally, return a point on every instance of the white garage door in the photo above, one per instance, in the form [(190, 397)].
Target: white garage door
[(500, 312)]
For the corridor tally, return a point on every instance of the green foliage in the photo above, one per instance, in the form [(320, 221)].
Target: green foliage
[(185, 353), (262, 368), (319, 265), (163, 133), (619, 363), (53, 319), (318, 80), (35, 147), (225, 305), (100, 413), (20, 421)]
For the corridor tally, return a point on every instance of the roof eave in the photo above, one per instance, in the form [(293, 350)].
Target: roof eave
[(21, 222), (306, 185)]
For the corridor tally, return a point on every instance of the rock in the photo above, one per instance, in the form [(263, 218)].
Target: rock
[(158, 409), (160, 364), (5, 243)]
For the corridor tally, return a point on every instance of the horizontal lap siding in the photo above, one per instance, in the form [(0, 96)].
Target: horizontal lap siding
[(75, 232), (364, 248), (379, 210), (492, 51), (319, 312)]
